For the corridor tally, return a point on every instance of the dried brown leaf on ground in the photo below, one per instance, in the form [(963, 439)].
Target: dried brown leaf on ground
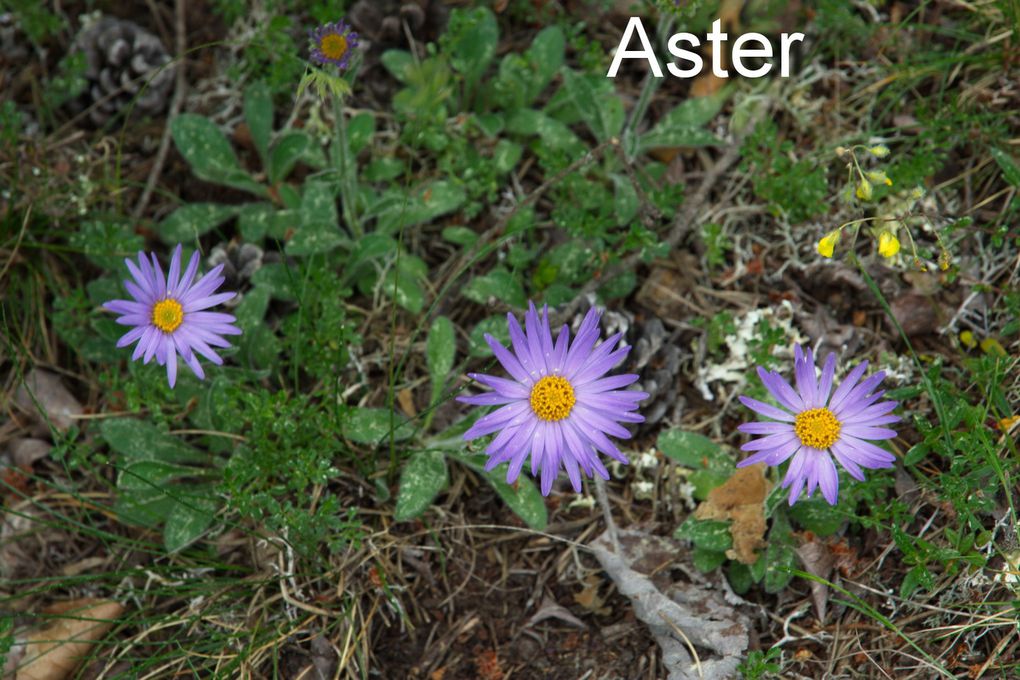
[(740, 499), (45, 398), (551, 609), (683, 614), (54, 652), (817, 561)]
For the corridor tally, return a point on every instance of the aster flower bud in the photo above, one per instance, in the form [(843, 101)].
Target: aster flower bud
[(879, 151)]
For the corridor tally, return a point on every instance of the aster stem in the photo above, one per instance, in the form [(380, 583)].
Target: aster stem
[(607, 513), (347, 185)]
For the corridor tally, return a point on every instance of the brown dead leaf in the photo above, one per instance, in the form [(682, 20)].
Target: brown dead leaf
[(44, 397), (406, 400), (551, 609), (708, 83), (54, 652), (740, 499), (915, 313), (667, 290), (590, 599), (24, 452), (817, 561)]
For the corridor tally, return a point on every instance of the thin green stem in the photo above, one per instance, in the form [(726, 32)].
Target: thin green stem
[(347, 168)]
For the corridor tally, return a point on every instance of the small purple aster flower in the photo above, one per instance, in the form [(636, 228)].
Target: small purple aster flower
[(558, 408), (812, 425), (167, 314), (332, 43)]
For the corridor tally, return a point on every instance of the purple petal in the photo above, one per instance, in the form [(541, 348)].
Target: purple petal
[(597, 438), (595, 420), (774, 456), (825, 385), (781, 390), (610, 383), (171, 366), (126, 307), (595, 364), (174, 275), (759, 427), (769, 442), (520, 344), (852, 400), (189, 274), (848, 464), (509, 361), (584, 342), (766, 410), (497, 419), (849, 382), (131, 336), (507, 388), (828, 480), (160, 281), (864, 453), (804, 374), (533, 331), (867, 432), (487, 399), (192, 304)]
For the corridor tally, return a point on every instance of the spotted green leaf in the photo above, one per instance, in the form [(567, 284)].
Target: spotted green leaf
[(209, 153), (423, 477)]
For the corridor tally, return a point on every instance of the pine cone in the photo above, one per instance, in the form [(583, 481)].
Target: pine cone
[(380, 25), (656, 358), (121, 58), (239, 262), (13, 46)]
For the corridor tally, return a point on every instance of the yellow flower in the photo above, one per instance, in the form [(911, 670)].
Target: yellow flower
[(888, 244), (828, 244), (864, 190), (967, 339)]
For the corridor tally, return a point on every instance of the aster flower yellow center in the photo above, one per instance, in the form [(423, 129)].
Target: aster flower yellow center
[(818, 428), (552, 398), (167, 315), (333, 46)]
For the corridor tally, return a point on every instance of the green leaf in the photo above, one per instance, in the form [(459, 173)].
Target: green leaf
[(688, 448), (707, 560), (780, 557), (188, 520), (440, 350), (739, 576), (138, 440), (472, 44), (462, 236), (192, 220), (289, 148), (405, 282), (209, 153), (360, 130), (523, 497), (595, 99), (546, 57), (258, 220), (258, 113), (1009, 167), (553, 133), (373, 426), (499, 284), (320, 226), (506, 155), (708, 534), (423, 477), (625, 199), (815, 514), (684, 125), (398, 62), (494, 326)]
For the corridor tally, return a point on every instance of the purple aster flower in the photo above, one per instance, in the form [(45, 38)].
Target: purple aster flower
[(167, 314), (558, 408), (815, 421), (332, 43)]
